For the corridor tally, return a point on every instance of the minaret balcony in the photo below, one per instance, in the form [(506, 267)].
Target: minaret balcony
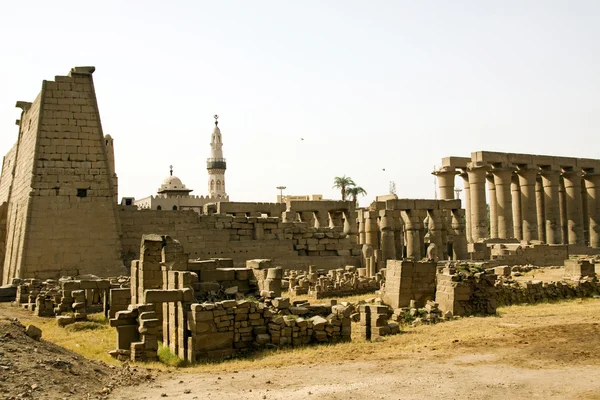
[(216, 163)]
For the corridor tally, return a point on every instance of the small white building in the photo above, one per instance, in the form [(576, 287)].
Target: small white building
[(174, 195)]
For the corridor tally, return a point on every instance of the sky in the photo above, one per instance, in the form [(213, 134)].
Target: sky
[(380, 91)]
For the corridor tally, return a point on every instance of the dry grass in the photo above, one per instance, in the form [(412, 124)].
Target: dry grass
[(544, 330), (90, 343), (442, 340), (542, 274)]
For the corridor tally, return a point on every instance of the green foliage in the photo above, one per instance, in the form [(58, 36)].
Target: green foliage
[(166, 357), (355, 191), (251, 299), (84, 326), (342, 183), (470, 269)]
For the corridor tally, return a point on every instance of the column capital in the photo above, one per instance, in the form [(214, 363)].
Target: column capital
[(550, 171), (446, 171), (571, 172), (590, 175), (527, 168), (476, 172), (476, 165)]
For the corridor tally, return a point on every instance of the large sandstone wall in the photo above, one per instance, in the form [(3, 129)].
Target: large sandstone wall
[(19, 199), (212, 236), (8, 164), (62, 215)]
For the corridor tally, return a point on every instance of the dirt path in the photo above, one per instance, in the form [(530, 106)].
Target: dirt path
[(475, 376)]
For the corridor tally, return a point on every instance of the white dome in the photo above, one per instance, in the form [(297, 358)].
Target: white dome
[(172, 184)]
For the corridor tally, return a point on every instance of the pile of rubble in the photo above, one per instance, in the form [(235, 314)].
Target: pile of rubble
[(430, 314), (334, 283), (68, 299)]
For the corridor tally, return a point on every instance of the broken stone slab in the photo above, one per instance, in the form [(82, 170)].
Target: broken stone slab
[(33, 332), (281, 302), (263, 339), (319, 323), (231, 291)]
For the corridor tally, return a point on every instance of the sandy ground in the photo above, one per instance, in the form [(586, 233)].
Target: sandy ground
[(536, 352), (468, 376), (549, 351)]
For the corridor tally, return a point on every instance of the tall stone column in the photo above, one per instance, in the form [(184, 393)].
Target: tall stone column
[(527, 178), (492, 194), (361, 227), (350, 225), (308, 217), (388, 243), (572, 179), (515, 191), (446, 217), (592, 187), (371, 229), (335, 220), (504, 211), (445, 177), (586, 217), (459, 239), (539, 206), (467, 203), (421, 215), (478, 206), (550, 183), (398, 227), (562, 205), (435, 231), (322, 218), (411, 227)]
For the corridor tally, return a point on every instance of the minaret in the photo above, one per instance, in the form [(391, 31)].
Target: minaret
[(216, 164)]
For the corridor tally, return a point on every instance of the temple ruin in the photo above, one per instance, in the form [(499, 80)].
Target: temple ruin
[(208, 276), (553, 200)]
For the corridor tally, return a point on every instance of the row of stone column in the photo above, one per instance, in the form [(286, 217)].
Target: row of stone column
[(340, 220), (399, 233), (526, 202)]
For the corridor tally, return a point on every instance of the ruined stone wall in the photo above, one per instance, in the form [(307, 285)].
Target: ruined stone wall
[(541, 255), (239, 238), (463, 293), (409, 280), (62, 214), (8, 164)]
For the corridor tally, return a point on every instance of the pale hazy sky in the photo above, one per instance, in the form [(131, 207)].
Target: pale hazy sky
[(367, 84)]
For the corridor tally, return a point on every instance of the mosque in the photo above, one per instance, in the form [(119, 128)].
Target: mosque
[(174, 195)]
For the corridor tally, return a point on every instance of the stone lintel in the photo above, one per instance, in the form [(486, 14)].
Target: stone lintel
[(456, 162), (588, 163), (449, 204)]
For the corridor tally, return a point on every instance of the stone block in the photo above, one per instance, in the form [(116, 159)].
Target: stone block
[(258, 264), (162, 296), (214, 341), (126, 334)]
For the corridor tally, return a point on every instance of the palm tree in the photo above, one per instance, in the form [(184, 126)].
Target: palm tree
[(355, 191), (342, 183)]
